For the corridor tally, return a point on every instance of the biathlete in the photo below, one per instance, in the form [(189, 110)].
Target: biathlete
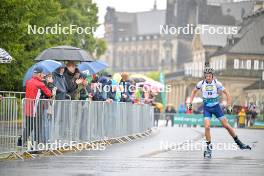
[(210, 88)]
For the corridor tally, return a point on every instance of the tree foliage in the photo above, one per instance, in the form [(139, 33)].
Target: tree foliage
[(16, 15)]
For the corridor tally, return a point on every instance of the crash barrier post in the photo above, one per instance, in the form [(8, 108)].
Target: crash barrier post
[(10, 126), (65, 122)]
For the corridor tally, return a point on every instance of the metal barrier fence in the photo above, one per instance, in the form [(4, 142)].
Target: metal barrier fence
[(190, 119), (65, 122), (9, 124), (19, 95)]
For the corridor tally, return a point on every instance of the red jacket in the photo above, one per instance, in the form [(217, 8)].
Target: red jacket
[(32, 87)]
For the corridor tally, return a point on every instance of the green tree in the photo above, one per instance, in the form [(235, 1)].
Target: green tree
[(100, 47), (17, 15)]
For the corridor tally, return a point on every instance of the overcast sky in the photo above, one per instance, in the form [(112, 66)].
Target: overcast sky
[(124, 6)]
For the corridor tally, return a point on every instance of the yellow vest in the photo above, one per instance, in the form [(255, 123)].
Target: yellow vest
[(242, 117)]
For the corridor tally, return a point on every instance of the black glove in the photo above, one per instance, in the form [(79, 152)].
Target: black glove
[(229, 109), (189, 106)]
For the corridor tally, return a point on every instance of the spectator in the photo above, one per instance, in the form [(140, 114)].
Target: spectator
[(48, 81), (170, 112), (148, 96), (33, 88), (83, 93), (241, 118), (139, 95), (114, 93), (71, 75), (125, 88), (156, 115), (96, 94), (182, 108), (1, 97), (253, 116), (35, 84), (102, 83), (46, 109), (60, 83), (94, 78)]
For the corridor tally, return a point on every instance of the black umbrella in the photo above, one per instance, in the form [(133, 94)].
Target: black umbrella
[(138, 80), (65, 53)]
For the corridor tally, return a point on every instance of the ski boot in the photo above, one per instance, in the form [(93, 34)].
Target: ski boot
[(241, 145)]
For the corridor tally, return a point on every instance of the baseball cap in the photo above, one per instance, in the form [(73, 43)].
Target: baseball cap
[(38, 70)]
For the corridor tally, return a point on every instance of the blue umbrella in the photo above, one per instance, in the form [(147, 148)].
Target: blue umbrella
[(92, 67), (48, 66)]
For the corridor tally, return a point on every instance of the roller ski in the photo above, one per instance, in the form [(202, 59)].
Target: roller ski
[(208, 152), (241, 145)]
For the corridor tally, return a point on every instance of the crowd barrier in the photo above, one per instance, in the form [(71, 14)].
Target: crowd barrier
[(46, 122), (67, 121), (193, 119), (10, 127)]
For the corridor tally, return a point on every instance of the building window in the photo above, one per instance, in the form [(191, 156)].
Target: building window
[(200, 69), (236, 64), (242, 64), (220, 64), (147, 61), (175, 9), (248, 64), (134, 58), (216, 65), (256, 64), (155, 58), (141, 59), (126, 60), (262, 40), (262, 65), (121, 60)]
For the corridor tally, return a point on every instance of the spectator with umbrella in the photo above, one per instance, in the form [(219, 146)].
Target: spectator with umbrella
[(83, 89), (47, 66), (71, 75), (60, 82), (32, 92)]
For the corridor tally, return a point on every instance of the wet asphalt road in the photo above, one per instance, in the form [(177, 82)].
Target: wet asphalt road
[(149, 156)]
